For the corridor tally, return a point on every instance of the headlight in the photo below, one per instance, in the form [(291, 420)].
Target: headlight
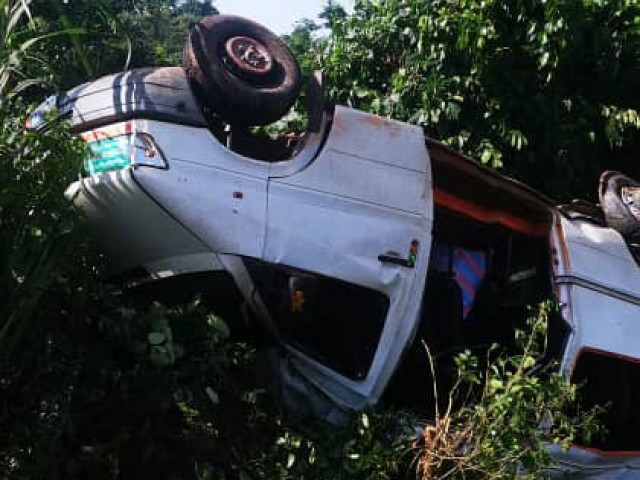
[(38, 118)]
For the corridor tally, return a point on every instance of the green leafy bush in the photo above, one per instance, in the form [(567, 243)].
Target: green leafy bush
[(40, 240), (545, 90), (503, 411)]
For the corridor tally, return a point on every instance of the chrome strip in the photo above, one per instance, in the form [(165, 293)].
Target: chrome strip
[(612, 292)]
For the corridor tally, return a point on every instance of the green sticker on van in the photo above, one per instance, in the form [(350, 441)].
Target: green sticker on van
[(108, 154)]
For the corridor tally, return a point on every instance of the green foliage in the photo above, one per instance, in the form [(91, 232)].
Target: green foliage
[(500, 432), (107, 403), (18, 40), (544, 89), (375, 445), (89, 387), (41, 252), (307, 41), (113, 35), (37, 249), (11, 14), (92, 386)]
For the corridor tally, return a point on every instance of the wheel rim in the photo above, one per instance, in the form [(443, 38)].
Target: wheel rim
[(629, 195), (248, 57)]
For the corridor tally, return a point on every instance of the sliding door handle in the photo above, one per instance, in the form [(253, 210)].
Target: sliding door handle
[(396, 260)]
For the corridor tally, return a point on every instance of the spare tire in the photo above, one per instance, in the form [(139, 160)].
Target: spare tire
[(620, 203), (240, 71)]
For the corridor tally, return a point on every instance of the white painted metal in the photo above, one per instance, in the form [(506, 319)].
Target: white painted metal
[(135, 230), (217, 193), (603, 284), (598, 284), (226, 210), (367, 193), (378, 139), (600, 254)]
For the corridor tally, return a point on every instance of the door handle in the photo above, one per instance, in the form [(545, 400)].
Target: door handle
[(396, 260)]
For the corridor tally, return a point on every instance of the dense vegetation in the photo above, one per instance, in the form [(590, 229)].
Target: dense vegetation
[(544, 90)]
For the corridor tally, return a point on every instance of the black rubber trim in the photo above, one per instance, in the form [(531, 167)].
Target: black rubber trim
[(595, 287)]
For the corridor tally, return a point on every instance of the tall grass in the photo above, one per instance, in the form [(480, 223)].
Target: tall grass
[(35, 168), (18, 36)]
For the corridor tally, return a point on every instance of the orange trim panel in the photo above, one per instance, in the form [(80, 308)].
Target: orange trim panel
[(107, 132), (487, 215)]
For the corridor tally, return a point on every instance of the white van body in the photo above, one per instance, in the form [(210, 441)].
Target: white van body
[(357, 206)]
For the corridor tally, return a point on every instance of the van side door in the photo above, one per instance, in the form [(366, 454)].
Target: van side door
[(352, 235)]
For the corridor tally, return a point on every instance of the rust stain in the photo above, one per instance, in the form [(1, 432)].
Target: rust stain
[(489, 215), (392, 128), (395, 130), (166, 75), (375, 121), (339, 127)]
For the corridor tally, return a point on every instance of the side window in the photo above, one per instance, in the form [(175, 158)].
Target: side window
[(334, 322)]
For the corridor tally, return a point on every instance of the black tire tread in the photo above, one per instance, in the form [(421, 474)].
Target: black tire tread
[(616, 213), (236, 100)]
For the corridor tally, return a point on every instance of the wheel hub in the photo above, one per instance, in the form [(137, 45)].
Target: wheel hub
[(248, 56)]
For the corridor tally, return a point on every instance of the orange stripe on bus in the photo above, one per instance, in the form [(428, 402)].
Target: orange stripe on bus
[(487, 215)]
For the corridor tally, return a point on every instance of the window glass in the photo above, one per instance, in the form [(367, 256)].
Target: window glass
[(335, 322)]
